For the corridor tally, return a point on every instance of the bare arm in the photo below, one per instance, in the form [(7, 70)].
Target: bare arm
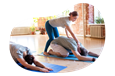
[(25, 64), (38, 64), (93, 54), (66, 32), (81, 57), (71, 32), (74, 37), (41, 65)]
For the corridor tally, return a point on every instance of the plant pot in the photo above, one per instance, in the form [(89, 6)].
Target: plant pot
[(42, 32), (32, 33), (37, 32)]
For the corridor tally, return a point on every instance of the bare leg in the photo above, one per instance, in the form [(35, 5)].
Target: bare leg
[(93, 54), (56, 53), (51, 52)]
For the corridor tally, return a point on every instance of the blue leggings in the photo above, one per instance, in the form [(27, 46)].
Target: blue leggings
[(52, 32)]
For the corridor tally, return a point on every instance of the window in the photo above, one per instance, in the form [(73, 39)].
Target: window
[(97, 15)]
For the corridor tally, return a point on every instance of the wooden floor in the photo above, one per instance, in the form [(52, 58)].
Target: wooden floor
[(37, 44)]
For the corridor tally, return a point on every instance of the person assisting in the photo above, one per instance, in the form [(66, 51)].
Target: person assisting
[(52, 31)]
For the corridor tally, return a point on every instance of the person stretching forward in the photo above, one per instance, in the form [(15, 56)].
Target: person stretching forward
[(23, 55), (63, 46)]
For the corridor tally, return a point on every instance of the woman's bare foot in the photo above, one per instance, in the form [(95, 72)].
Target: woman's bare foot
[(50, 51)]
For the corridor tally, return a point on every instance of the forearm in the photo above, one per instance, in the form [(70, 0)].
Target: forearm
[(84, 58), (81, 57), (66, 32), (39, 64), (73, 35), (32, 67), (93, 54)]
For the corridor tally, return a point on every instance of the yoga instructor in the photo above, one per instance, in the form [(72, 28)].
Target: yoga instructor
[(52, 31)]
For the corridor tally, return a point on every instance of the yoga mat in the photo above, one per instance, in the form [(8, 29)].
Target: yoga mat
[(56, 68), (70, 57)]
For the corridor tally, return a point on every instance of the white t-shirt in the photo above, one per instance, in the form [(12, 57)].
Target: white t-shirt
[(17, 50), (60, 22)]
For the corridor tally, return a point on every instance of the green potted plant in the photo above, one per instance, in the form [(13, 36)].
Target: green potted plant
[(99, 20), (37, 32), (32, 28)]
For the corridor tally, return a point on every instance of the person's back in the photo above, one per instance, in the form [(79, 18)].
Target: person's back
[(17, 50), (60, 22), (66, 42), (71, 44)]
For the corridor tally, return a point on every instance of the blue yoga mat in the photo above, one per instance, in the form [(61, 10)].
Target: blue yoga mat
[(56, 68), (70, 57)]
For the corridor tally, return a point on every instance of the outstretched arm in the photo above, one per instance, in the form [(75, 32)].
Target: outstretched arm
[(38, 63), (73, 35), (41, 65), (66, 32), (71, 32), (93, 54), (25, 64), (82, 57)]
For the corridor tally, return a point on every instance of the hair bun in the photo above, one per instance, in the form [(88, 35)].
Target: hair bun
[(70, 13), (74, 13)]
